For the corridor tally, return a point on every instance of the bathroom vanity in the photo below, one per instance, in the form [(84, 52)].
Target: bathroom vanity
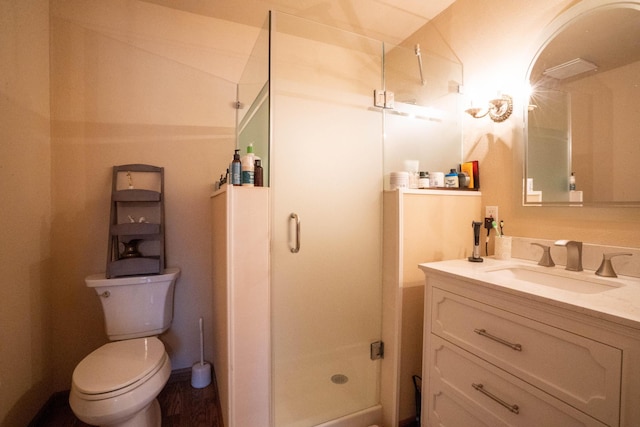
[(511, 343)]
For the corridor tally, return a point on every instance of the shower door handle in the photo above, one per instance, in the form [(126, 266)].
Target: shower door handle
[(296, 218)]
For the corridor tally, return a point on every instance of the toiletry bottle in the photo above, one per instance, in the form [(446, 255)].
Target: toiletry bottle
[(423, 182), (248, 167), (258, 174), (436, 179), (451, 179), (236, 169), (463, 180), (572, 182)]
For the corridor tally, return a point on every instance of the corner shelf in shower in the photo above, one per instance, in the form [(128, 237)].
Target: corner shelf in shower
[(126, 233)]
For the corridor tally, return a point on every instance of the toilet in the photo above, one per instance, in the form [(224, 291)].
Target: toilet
[(117, 384)]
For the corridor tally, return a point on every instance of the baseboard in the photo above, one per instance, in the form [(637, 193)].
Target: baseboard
[(178, 375), (56, 400)]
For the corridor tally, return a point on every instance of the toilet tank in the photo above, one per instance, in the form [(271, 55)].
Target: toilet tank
[(136, 306)]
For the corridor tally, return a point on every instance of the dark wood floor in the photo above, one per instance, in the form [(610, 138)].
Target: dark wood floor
[(181, 405)]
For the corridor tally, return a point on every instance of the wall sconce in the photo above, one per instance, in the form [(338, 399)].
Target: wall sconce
[(499, 109)]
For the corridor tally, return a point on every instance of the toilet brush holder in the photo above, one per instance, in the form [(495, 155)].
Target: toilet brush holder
[(201, 371), (201, 375)]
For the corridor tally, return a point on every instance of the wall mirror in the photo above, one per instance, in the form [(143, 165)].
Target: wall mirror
[(583, 116)]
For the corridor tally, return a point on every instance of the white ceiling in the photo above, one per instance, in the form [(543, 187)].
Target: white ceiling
[(390, 21)]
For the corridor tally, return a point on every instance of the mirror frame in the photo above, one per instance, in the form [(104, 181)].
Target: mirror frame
[(555, 27)]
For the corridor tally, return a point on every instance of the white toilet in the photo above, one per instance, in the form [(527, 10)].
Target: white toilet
[(117, 384)]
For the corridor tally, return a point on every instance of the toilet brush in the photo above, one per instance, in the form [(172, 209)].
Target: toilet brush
[(201, 371)]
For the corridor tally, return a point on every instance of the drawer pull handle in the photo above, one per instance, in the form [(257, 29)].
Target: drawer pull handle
[(484, 333), (512, 408)]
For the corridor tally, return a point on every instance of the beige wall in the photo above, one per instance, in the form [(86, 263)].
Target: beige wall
[(136, 83), (87, 85), (25, 210), (496, 40)]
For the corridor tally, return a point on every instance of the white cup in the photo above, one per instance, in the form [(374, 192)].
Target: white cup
[(502, 247)]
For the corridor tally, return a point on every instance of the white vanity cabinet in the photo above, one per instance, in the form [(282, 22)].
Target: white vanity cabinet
[(499, 358)]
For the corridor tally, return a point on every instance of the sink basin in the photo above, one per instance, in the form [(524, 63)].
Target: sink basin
[(553, 277)]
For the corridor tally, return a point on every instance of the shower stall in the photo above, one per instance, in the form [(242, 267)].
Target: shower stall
[(306, 103), (326, 186)]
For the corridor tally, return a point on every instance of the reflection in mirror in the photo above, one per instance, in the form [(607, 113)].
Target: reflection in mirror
[(584, 109)]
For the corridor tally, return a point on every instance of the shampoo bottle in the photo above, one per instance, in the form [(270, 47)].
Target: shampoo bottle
[(236, 169), (248, 167)]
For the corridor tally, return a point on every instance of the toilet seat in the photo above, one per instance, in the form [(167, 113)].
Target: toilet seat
[(118, 367)]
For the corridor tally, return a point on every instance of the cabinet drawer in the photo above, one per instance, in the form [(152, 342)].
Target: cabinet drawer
[(580, 371), (466, 390)]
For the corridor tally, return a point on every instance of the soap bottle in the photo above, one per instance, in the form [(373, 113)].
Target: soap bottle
[(236, 169), (572, 182), (451, 179), (248, 167), (258, 174)]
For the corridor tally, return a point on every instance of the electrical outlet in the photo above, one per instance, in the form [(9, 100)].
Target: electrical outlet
[(491, 212)]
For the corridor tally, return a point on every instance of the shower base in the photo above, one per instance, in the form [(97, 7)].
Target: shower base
[(368, 417), (312, 390)]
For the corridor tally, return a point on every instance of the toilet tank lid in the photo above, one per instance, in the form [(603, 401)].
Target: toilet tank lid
[(98, 280), (118, 364)]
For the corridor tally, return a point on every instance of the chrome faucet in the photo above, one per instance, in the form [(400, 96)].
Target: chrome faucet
[(574, 254)]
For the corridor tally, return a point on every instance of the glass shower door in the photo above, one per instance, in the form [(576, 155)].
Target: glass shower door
[(326, 169)]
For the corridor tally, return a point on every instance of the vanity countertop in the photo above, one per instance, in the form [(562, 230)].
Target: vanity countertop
[(619, 304)]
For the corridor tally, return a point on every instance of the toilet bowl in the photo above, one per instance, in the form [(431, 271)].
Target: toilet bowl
[(117, 384)]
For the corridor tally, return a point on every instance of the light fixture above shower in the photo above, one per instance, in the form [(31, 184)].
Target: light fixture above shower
[(419, 56), (498, 109)]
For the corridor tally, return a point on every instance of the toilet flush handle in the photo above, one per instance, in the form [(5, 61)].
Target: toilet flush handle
[(105, 294)]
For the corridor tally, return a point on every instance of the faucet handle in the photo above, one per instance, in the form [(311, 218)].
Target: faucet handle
[(606, 268), (545, 260)]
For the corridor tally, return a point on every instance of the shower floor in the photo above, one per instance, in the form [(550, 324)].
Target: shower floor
[(305, 394)]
